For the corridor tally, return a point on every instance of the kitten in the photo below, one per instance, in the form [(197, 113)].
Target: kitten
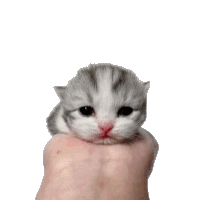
[(103, 104)]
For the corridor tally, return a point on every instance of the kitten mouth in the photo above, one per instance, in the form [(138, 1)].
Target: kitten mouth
[(104, 137)]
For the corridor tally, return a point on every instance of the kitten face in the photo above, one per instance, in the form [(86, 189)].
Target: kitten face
[(104, 104)]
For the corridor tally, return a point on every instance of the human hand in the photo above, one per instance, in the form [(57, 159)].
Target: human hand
[(75, 169)]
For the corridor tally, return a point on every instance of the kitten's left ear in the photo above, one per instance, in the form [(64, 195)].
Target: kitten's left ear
[(146, 86), (60, 91)]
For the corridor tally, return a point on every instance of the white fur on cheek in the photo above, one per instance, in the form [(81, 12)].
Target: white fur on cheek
[(124, 126), (60, 123), (85, 127)]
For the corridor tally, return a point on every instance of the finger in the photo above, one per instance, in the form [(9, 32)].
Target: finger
[(153, 144)]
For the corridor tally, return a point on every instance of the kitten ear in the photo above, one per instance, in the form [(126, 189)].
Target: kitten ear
[(60, 91), (146, 86)]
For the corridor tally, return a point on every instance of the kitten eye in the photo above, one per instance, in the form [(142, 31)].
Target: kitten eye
[(86, 110), (124, 111)]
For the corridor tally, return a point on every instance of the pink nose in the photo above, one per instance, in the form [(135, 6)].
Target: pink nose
[(106, 127)]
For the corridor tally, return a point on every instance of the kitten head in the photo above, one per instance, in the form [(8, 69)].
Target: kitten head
[(104, 104)]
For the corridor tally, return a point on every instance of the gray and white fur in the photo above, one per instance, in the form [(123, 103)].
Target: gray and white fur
[(103, 104)]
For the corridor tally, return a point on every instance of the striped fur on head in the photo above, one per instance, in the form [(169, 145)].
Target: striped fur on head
[(106, 88)]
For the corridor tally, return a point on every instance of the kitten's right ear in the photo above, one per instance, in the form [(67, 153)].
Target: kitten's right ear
[(60, 91), (146, 86)]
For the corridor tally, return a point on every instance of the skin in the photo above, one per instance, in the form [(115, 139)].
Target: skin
[(75, 169)]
